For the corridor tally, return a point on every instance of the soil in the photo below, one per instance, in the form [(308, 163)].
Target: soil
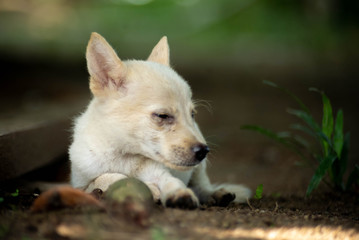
[(236, 157), (282, 213), (324, 216)]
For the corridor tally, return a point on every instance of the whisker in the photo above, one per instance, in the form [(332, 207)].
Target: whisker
[(203, 103)]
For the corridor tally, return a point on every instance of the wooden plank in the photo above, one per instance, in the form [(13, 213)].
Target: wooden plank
[(25, 150)]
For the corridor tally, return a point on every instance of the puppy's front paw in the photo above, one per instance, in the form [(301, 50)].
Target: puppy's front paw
[(183, 198), (221, 198), (155, 192)]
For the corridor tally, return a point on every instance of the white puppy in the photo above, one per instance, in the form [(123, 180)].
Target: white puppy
[(140, 123)]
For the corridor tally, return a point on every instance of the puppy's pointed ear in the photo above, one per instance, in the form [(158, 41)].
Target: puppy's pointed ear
[(161, 52), (107, 71)]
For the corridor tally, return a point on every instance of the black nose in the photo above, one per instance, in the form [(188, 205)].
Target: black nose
[(200, 151)]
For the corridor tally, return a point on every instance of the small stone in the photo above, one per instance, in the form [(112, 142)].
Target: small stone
[(129, 187), (131, 198)]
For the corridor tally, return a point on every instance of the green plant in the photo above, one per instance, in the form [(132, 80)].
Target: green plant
[(332, 157), (4, 229), (157, 234), (259, 192), (15, 194)]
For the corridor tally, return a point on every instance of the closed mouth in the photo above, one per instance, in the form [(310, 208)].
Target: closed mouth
[(178, 165), (188, 164), (181, 166)]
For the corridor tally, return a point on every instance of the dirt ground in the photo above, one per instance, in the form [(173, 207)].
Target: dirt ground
[(281, 214), (236, 157)]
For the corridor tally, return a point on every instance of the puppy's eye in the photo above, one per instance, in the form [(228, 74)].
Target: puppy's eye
[(192, 114), (162, 118)]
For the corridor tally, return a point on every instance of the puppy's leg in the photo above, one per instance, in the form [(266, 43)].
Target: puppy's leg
[(220, 195), (104, 181), (206, 192), (172, 191), (156, 194), (173, 194)]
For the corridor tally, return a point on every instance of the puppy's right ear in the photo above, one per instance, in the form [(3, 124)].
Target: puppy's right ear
[(106, 69)]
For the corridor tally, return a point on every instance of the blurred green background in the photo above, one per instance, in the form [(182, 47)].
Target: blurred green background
[(224, 48), (232, 33)]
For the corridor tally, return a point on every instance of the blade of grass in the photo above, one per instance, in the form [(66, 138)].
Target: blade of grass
[(303, 129), (337, 176), (353, 178), (289, 93), (259, 192), (298, 140), (323, 167), (310, 132), (280, 138), (338, 137), (15, 194), (308, 119), (340, 165), (294, 140), (157, 233), (265, 132), (327, 119), (284, 135)]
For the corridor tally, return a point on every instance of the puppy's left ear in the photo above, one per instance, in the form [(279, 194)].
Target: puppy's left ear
[(161, 52)]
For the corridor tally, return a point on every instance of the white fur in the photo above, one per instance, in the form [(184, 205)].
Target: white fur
[(119, 135)]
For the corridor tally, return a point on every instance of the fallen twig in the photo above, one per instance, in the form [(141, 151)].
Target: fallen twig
[(249, 204), (276, 207)]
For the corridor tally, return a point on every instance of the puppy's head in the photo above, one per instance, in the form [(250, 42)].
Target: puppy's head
[(144, 107)]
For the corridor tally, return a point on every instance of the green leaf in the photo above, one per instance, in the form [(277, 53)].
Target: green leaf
[(327, 119), (265, 132), (283, 138), (323, 167), (303, 129), (314, 127), (344, 156), (293, 96), (338, 138), (15, 194), (353, 178), (298, 140), (284, 135), (259, 192), (4, 229), (306, 117), (269, 83), (340, 164), (337, 174), (293, 139), (157, 234), (2, 199)]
